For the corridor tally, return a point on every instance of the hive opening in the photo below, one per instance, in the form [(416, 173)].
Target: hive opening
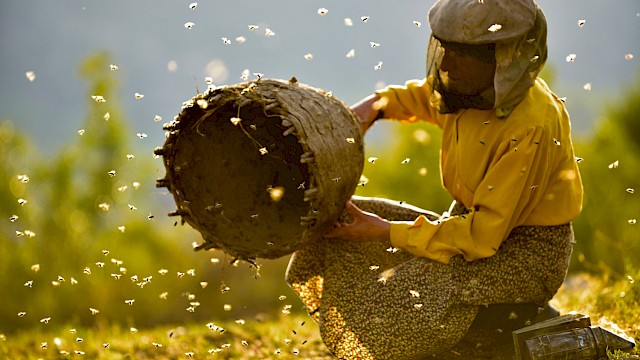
[(261, 168), (238, 166)]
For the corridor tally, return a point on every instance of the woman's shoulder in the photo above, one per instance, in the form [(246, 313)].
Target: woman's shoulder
[(541, 88), (540, 108)]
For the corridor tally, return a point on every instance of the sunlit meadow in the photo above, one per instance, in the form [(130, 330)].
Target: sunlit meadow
[(92, 267)]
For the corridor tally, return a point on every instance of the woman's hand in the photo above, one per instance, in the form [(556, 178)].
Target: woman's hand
[(368, 110), (365, 226)]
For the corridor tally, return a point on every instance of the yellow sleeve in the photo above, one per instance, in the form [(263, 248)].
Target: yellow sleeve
[(509, 191), (407, 103)]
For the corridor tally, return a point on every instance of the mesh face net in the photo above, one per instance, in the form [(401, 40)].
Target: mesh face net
[(444, 97), (519, 34)]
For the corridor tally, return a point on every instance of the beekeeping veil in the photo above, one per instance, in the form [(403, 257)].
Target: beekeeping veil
[(518, 29)]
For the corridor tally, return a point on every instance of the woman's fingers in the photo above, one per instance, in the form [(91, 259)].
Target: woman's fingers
[(335, 232), (353, 210), (339, 229), (351, 230)]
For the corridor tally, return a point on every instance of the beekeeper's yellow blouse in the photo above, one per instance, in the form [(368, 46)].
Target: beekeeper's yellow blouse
[(520, 170)]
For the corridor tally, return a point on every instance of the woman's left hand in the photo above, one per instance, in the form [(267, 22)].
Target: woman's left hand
[(365, 226)]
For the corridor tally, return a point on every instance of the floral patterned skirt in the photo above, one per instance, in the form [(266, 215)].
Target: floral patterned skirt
[(373, 301)]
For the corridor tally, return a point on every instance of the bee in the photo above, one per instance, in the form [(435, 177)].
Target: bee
[(495, 28)]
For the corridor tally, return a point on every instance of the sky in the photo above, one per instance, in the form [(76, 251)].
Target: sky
[(348, 47)]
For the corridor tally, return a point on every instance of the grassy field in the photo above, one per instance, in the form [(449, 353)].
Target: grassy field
[(283, 337), (611, 304)]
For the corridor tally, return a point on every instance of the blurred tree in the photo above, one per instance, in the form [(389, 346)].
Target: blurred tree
[(14, 152), (87, 239), (607, 235), (404, 166), (78, 180)]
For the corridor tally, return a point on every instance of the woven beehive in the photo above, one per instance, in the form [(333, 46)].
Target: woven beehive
[(262, 167)]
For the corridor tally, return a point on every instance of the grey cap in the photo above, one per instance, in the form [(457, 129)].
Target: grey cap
[(481, 21)]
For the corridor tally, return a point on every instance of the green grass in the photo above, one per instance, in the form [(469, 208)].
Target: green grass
[(291, 336), (614, 305)]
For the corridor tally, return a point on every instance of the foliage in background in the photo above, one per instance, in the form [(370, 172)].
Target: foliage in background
[(92, 243), (607, 232), (404, 166)]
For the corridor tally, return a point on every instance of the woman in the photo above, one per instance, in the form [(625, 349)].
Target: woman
[(462, 281)]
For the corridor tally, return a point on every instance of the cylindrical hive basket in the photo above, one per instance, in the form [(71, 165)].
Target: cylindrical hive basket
[(261, 168)]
